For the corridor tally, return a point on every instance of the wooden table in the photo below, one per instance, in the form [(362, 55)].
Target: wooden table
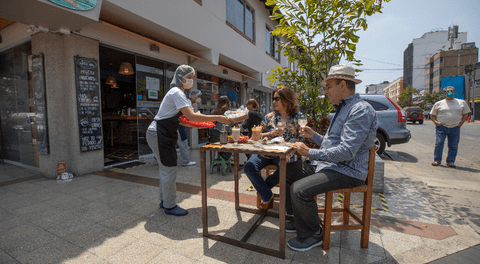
[(248, 149)]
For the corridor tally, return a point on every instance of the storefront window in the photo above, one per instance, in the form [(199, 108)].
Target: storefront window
[(263, 101), (17, 110), (212, 88)]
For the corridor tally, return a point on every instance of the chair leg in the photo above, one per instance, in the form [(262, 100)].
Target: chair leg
[(327, 220), (367, 209), (346, 208)]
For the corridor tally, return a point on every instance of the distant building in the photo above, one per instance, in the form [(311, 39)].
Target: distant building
[(421, 48), (448, 63), (394, 89), (376, 88)]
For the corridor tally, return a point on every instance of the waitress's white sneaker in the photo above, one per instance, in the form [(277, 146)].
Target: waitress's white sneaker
[(191, 163)]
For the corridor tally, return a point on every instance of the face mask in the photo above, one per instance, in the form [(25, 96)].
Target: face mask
[(188, 84), (449, 95), (199, 100)]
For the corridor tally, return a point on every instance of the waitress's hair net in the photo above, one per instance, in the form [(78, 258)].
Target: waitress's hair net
[(180, 72), (195, 93)]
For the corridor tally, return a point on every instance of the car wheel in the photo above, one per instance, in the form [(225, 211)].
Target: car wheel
[(379, 144), (414, 115), (420, 122)]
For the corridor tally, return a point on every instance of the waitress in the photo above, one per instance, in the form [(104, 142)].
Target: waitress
[(162, 135)]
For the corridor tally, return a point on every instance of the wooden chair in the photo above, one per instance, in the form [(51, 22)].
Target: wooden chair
[(364, 223)]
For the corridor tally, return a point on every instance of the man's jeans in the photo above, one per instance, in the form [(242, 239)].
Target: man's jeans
[(453, 135), (303, 184)]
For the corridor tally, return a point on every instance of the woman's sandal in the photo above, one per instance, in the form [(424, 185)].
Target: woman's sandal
[(264, 206)]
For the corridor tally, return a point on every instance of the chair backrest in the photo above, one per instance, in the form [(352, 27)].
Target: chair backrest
[(371, 168)]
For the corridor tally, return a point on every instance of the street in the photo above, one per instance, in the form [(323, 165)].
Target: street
[(453, 191)]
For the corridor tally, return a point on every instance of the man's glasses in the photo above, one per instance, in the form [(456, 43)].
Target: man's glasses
[(276, 98)]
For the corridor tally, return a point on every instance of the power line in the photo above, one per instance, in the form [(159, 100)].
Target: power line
[(379, 61)]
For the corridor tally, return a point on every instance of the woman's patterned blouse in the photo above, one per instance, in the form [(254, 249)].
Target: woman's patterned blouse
[(291, 130)]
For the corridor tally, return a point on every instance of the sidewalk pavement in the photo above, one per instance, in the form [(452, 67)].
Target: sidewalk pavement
[(113, 217)]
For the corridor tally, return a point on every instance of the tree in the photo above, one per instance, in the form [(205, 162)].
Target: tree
[(430, 100), (406, 96), (319, 34)]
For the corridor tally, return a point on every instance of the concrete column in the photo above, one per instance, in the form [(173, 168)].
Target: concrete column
[(59, 51)]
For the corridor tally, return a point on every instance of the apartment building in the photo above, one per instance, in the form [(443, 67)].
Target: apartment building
[(394, 89), (421, 48), (80, 80), (448, 63)]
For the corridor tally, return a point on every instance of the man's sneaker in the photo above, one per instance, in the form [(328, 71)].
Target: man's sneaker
[(312, 241), (161, 205), (177, 211), (290, 227), (191, 163)]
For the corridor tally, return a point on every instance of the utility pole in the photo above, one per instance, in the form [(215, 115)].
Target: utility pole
[(471, 70)]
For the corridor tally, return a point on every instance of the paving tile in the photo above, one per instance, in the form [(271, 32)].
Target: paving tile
[(28, 243), (220, 252), (350, 241), (168, 256), (6, 259), (111, 245), (85, 257), (53, 252), (67, 225), (22, 188), (5, 215), (119, 220), (137, 252), (90, 235), (318, 255)]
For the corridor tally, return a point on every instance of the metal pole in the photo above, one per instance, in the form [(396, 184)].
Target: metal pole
[(473, 93)]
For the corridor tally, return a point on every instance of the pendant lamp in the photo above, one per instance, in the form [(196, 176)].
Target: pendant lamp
[(126, 68), (111, 80), (114, 85)]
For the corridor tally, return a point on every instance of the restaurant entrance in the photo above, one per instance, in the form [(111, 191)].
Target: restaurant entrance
[(133, 87)]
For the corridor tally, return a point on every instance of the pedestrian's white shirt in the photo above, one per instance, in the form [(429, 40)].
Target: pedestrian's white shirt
[(173, 101), (450, 112)]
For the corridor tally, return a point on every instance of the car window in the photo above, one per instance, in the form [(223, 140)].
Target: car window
[(377, 106), (414, 110)]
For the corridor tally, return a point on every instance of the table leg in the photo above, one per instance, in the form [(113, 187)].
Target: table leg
[(235, 176), (281, 209), (204, 191)]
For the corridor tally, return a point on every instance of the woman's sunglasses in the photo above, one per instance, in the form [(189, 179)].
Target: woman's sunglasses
[(276, 98)]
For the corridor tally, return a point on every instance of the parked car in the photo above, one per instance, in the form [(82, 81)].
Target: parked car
[(391, 119), (414, 114)]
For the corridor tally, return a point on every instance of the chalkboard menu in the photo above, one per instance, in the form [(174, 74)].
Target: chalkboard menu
[(88, 104), (40, 100)]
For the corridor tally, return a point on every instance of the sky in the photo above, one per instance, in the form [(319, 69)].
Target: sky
[(381, 46)]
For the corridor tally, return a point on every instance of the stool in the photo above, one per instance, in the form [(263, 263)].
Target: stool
[(218, 160), (111, 135), (364, 223)]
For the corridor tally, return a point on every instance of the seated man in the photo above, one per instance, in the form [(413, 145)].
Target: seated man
[(341, 162)]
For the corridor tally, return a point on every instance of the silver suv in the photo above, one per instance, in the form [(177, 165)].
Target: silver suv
[(392, 121)]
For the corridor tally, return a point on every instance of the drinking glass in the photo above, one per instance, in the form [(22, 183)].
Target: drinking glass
[(256, 136), (236, 135), (302, 121)]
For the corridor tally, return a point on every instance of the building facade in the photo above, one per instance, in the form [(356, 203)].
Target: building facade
[(448, 63), (81, 80), (422, 48), (376, 88), (394, 89)]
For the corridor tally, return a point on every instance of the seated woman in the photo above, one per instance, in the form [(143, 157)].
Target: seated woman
[(223, 105), (285, 109)]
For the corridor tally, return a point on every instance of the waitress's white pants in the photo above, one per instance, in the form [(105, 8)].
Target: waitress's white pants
[(168, 175)]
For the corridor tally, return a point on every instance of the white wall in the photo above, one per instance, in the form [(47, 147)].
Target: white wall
[(206, 26), (425, 47)]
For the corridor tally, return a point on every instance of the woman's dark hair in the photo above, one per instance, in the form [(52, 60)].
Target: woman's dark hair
[(288, 99), (222, 106), (252, 102)]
